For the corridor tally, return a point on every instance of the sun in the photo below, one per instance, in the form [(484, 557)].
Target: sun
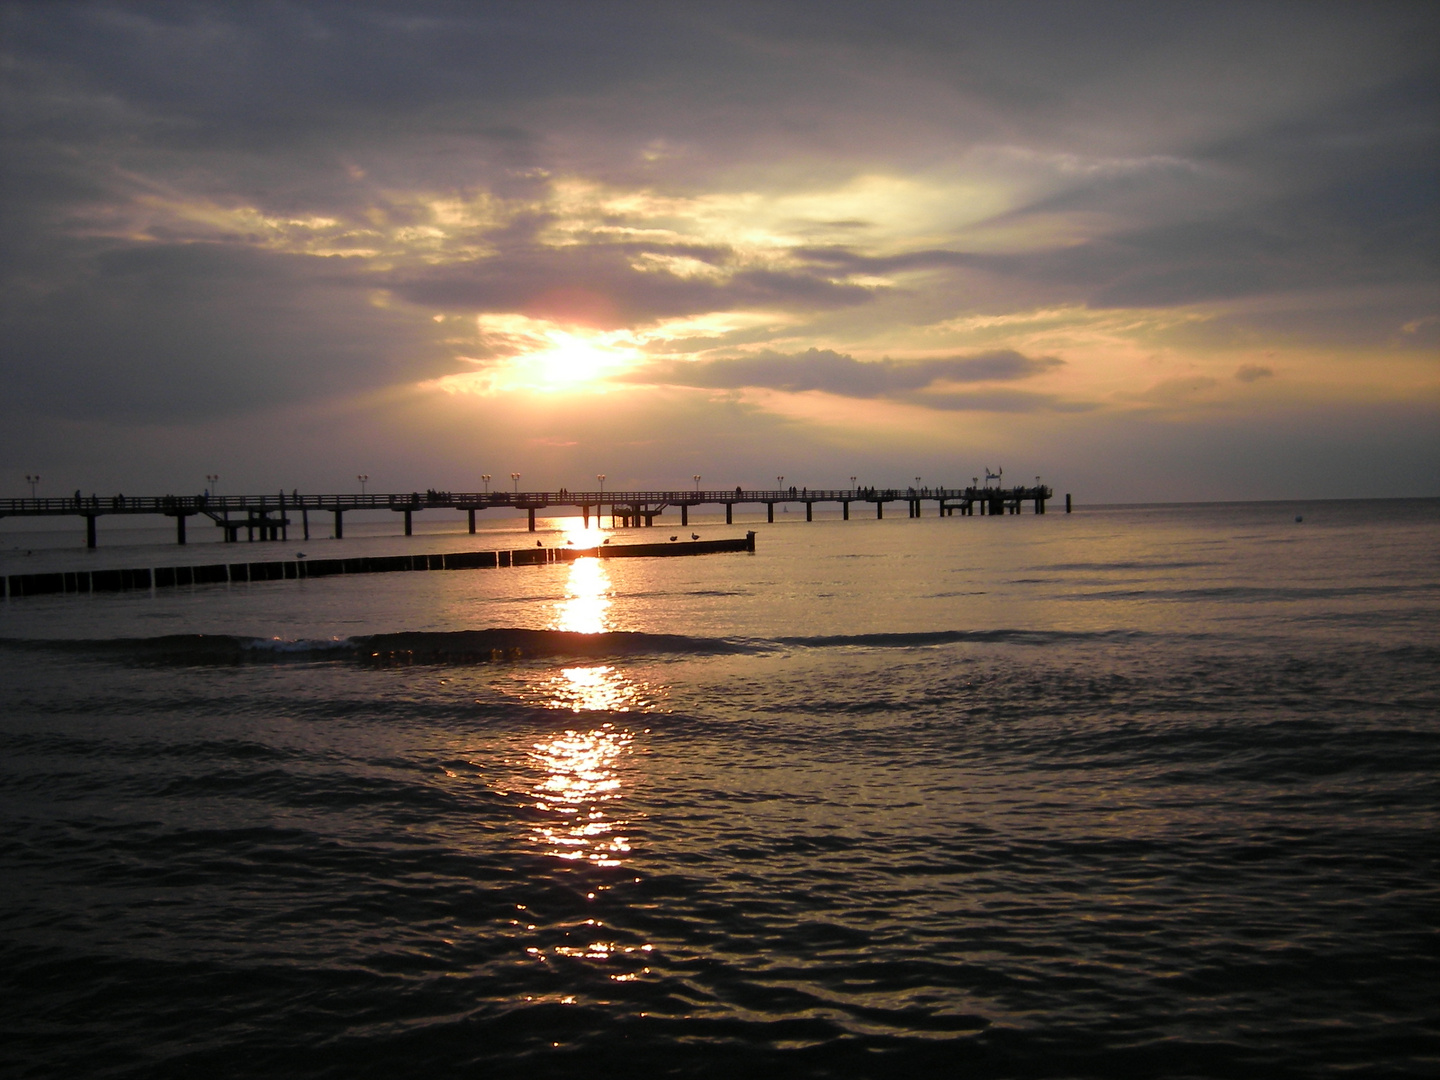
[(574, 361), (546, 358)]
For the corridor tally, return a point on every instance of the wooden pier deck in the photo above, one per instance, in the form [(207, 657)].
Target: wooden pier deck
[(270, 517)]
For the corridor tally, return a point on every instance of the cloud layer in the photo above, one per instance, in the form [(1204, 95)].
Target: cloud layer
[(1194, 214)]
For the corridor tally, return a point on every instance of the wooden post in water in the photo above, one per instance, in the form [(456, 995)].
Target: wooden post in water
[(532, 519), (90, 530), (305, 520), (179, 528), (684, 513), (472, 520), (770, 513), (408, 523), (1067, 502), (729, 508), (339, 525), (844, 510), (879, 509), (809, 514)]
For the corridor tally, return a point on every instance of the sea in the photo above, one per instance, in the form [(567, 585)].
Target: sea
[(1137, 791)]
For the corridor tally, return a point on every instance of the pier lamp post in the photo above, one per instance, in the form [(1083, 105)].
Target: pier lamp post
[(485, 479), (696, 478), (363, 477), (852, 483), (601, 477), (515, 478), (917, 483), (33, 481), (780, 482), (213, 479)]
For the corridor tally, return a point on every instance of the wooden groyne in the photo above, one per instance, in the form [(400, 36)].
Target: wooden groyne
[(164, 577)]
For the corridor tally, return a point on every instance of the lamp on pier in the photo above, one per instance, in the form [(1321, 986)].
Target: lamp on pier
[(696, 478), (213, 479), (515, 478), (485, 479), (363, 477), (780, 482), (33, 481), (601, 477), (852, 483)]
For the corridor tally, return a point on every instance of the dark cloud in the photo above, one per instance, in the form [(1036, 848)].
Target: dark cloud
[(1248, 373), (186, 332), (600, 285), (836, 373)]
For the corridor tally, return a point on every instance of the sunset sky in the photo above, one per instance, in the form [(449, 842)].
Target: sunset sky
[(1148, 251)]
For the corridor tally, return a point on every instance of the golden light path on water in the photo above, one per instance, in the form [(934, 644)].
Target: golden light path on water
[(576, 774)]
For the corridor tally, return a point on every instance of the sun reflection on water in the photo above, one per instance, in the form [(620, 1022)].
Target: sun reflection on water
[(587, 598), (579, 786)]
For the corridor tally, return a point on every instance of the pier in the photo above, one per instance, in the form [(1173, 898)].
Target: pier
[(271, 517)]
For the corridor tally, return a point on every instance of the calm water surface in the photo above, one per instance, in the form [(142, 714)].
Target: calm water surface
[(1145, 791)]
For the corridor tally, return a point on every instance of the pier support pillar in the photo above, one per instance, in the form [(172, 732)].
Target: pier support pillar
[(770, 513), (90, 530), (305, 520), (879, 509), (585, 512), (1067, 502), (809, 511), (179, 528), (339, 526), (532, 518), (472, 521), (684, 514), (845, 510), (729, 513), (409, 525)]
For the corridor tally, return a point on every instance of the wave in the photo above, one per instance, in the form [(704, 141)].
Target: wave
[(958, 637), (509, 644), (415, 647)]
